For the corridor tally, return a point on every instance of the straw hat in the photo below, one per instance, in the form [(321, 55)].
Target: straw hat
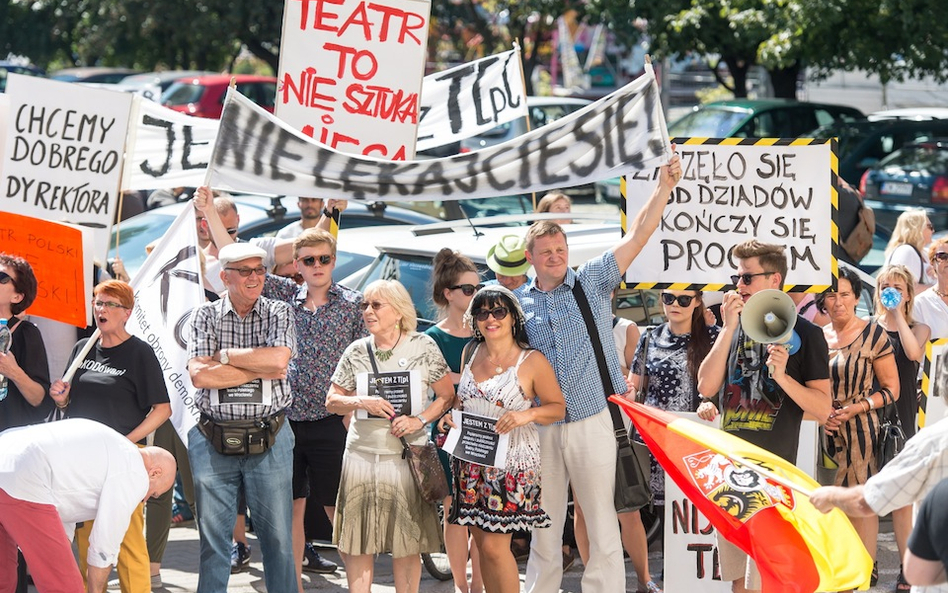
[(508, 256)]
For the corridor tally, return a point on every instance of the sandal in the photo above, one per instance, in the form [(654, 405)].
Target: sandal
[(649, 587), (874, 577), (901, 584)]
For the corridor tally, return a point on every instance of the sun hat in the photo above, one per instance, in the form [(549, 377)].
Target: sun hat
[(508, 256), (235, 252)]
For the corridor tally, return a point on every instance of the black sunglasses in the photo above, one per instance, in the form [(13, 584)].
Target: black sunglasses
[(245, 272), (939, 255), (467, 289), (6, 279), (497, 313), (748, 278), (376, 305), (310, 261), (684, 300)]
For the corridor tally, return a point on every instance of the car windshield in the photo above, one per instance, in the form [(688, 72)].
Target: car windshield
[(134, 235), (921, 157), (707, 123), (182, 93)]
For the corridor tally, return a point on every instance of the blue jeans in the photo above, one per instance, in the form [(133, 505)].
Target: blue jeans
[(267, 480)]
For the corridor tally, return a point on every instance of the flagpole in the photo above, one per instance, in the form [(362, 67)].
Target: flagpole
[(74, 365), (661, 112), (523, 82)]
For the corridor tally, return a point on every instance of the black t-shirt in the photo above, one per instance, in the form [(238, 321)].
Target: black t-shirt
[(753, 407), (928, 540), (30, 353), (117, 386)]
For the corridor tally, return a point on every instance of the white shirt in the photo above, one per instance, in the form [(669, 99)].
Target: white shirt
[(909, 257), (79, 466), (930, 309), (291, 231)]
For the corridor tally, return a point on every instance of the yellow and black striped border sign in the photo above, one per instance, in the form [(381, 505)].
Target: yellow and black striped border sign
[(834, 199), (932, 348)]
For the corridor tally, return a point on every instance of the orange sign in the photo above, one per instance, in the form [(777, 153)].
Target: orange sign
[(55, 252)]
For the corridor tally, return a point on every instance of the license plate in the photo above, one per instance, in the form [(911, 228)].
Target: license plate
[(896, 189)]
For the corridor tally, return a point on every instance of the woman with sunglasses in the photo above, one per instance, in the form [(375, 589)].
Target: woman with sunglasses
[(668, 357), (379, 509), (931, 306), (119, 383), (504, 378), (908, 339), (910, 237), (454, 282), (864, 378)]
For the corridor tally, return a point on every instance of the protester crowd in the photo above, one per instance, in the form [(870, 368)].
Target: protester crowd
[(297, 376)]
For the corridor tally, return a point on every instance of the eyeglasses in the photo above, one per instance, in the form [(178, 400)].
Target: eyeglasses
[(467, 289), (245, 272), (684, 300), (108, 305), (376, 305), (940, 256), (232, 232), (497, 313), (748, 278), (310, 261), (5, 278)]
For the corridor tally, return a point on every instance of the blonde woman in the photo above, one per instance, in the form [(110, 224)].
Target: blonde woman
[(912, 234), (908, 338), (556, 201)]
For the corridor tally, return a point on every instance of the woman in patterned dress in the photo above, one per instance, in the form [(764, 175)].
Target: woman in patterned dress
[(504, 379), (860, 353)]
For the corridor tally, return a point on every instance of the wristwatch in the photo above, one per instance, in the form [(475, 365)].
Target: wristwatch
[(224, 358)]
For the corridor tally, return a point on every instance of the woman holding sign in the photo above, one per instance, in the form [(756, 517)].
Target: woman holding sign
[(379, 510), (507, 381)]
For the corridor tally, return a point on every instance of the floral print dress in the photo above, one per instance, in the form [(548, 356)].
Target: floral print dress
[(490, 498)]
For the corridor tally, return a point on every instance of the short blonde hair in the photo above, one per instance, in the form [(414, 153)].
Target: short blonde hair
[(910, 229), (395, 294), (313, 237)]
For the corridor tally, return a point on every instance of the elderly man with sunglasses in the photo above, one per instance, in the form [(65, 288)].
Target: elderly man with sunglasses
[(761, 390), (239, 350)]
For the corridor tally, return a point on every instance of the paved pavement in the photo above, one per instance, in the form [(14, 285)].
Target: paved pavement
[(180, 570)]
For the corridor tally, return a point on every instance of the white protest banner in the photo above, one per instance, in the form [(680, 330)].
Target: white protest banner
[(401, 388), (624, 131), (934, 383), (775, 191), (573, 75), (473, 439), (471, 98), (168, 287), (63, 157), (167, 149), (350, 73)]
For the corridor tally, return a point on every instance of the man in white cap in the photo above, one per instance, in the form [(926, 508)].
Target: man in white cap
[(508, 260), (55, 475), (239, 350)]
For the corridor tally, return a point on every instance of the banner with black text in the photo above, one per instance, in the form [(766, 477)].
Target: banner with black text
[(623, 132)]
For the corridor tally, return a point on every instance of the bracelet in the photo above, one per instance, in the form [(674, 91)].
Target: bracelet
[(62, 406), (871, 405), (327, 212), (866, 409), (421, 418)]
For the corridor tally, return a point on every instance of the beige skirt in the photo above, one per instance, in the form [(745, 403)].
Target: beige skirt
[(379, 509)]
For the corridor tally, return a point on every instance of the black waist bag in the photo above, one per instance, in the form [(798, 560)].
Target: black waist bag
[(241, 437)]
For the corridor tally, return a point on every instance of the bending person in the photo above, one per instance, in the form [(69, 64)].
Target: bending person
[(55, 475)]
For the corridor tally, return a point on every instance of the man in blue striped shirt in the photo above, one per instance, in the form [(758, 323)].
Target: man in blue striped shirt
[(581, 449)]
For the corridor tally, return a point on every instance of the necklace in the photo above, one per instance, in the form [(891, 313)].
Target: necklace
[(940, 293), (384, 355), (498, 368)]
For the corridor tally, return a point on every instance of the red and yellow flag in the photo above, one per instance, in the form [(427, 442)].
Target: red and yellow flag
[(757, 501)]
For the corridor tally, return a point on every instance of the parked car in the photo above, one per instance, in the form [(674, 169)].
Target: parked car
[(15, 68), (203, 96), (914, 176), (96, 74), (910, 113), (260, 216), (152, 85), (771, 118), (864, 143)]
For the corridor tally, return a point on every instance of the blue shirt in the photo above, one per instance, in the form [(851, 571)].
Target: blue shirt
[(556, 328)]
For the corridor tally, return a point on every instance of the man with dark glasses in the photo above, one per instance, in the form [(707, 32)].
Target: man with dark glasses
[(328, 318), (580, 451), (761, 390)]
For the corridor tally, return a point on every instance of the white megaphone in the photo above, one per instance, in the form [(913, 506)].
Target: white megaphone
[(768, 318)]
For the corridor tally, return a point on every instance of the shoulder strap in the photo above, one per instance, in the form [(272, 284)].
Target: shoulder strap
[(593, 331), (467, 355)]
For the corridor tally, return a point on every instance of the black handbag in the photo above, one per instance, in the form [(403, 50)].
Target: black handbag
[(633, 470), (891, 438), (423, 462)]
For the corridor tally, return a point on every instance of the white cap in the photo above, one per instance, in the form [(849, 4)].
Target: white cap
[(238, 252)]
